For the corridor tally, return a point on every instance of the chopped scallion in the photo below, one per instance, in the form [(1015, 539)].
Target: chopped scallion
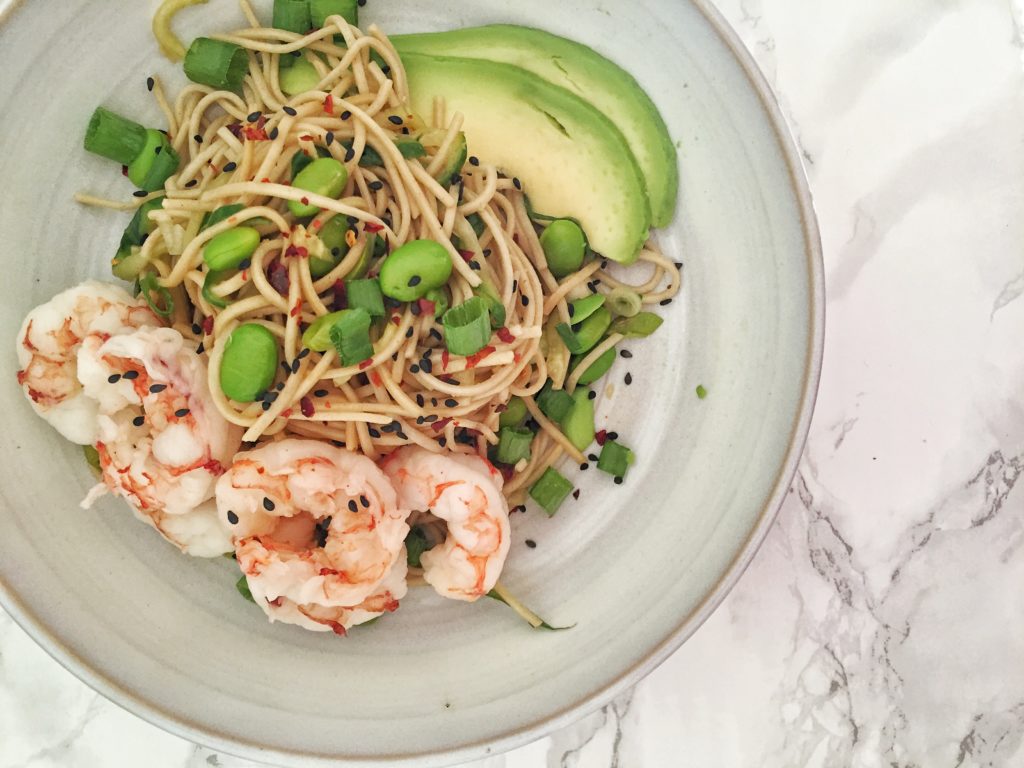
[(550, 490), (488, 293), (212, 278), (217, 64), (217, 215), (365, 294), (155, 163), (292, 16), (350, 336), (416, 543), (467, 327), (156, 295), (514, 413), (114, 137), (637, 327), (615, 458), (554, 403), (319, 10), (242, 585), (513, 445)]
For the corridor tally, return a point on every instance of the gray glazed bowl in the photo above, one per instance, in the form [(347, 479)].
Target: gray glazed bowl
[(636, 568)]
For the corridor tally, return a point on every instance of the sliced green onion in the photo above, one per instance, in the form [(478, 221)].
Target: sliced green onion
[(554, 403), (141, 225), (578, 424), (300, 77), (411, 149), (615, 459), (319, 10), (128, 262), (217, 64), (114, 137), (350, 336), (467, 327), (416, 543), (581, 309), (502, 595), (156, 295), (637, 327), (701, 391), (92, 458), (212, 278), (318, 336), (292, 16), (550, 490), (217, 215), (365, 294), (514, 413), (588, 333), (155, 163), (596, 369), (514, 445), (624, 302), (242, 585), (488, 293)]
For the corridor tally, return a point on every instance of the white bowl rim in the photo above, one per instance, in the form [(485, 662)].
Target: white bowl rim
[(688, 625)]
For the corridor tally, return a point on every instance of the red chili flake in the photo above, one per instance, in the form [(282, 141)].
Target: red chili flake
[(286, 412), (445, 357), (214, 467), (265, 180), (467, 255), (601, 436), (301, 251), (375, 379), (506, 472), (329, 104), (500, 408), (304, 200), (124, 170), (396, 319), (307, 137), (366, 364), (340, 296), (371, 227), (516, 357), (317, 224), (473, 360), (297, 308), (438, 426), (208, 325), (307, 408), (505, 335), (277, 276), (427, 307)]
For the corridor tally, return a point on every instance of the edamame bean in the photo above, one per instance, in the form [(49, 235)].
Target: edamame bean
[(332, 235), (249, 362), (230, 248), (300, 77), (564, 247), (415, 268), (513, 414), (324, 176)]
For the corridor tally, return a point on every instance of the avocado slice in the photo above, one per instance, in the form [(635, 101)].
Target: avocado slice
[(571, 160), (577, 68)]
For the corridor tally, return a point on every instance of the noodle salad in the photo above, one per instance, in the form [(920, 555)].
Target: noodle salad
[(346, 347)]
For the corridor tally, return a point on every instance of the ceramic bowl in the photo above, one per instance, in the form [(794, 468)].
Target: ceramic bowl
[(635, 568)]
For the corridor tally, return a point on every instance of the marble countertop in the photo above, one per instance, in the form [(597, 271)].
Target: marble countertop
[(882, 622)]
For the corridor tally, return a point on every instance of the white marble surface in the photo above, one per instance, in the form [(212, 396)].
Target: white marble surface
[(883, 621)]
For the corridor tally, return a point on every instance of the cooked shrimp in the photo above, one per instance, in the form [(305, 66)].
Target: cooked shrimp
[(314, 525), (49, 342), (465, 492), (338, 619), (161, 441)]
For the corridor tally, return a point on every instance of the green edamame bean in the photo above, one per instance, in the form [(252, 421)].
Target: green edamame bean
[(564, 247), (298, 78), (230, 248), (324, 176), (514, 414), (415, 268), (249, 362), (332, 235)]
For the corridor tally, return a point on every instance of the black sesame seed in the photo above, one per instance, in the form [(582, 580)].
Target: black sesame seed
[(364, 501), (296, 363), (395, 120), (273, 133), (531, 543), (290, 112), (474, 160), (433, 401), (140, 193), (138, 421), (487, 252), (198, 138), (626, 353), (456, 179), (253, 117), (320, 393), (346, 115), (525, 300), (475, 265), (618, 481), (376, 186), (181, 413), (232, 518), (156, 388), (415, 280), (329, 138), (349, 154), (285, 367), (431, 418), (200, 349), (303, 353), (443, 442), (426, 365), (592, 456), (415, 309), (270, 397), (584, 467), (158, 150), (420, 401), (572, 310), (576, 493), (279, 386), (414, 368), (420, 421), (268, 504), (591, 395), (361, 3), (451, 402), (113, 378), (131, 375), (150, 82), (679, 265), (402, 435), (665, 302), (266, 406), (197, 328), (352, 506), (628, 379), (436, 334), (230, 167), (245, 263), (613, 435), (191, 183), (409, 332), (373, 432)]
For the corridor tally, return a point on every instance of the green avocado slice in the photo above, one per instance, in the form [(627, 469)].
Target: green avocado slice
[(571, 160), (587, 74)]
